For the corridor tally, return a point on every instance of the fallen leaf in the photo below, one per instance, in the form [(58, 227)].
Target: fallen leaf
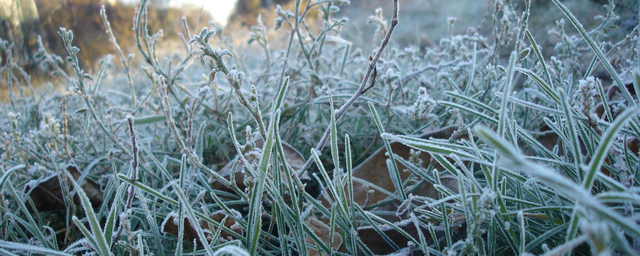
[(634, 145), (235, 167), (379, 245), (374, 170), (47, 194), (323, 232), (170, 225)]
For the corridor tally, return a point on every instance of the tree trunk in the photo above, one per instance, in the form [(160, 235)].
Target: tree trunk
[(19, 24)]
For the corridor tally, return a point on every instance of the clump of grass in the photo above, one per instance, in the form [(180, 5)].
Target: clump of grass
[(544, 155)]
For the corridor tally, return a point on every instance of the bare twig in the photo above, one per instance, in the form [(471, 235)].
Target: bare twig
[(134, 162), (65, 127), (125, 60), (134, 174), (183, 146), (361, 90)]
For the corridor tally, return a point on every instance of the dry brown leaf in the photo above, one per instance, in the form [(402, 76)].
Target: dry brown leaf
[(379, 245), (170, 225), (47, 195), (235, 166), (634, 145), (549, 140), (323, 232), (374, 170)]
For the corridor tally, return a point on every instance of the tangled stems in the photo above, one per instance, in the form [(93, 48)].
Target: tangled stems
[(361, 89), (116, 47), (186, 150), (235, 78), (67, 38)]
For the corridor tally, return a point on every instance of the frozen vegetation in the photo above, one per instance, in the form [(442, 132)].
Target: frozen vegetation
[(483, 142)]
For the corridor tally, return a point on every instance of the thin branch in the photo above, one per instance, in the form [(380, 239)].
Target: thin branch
[(134, 174), (125, 61), (361, 90)]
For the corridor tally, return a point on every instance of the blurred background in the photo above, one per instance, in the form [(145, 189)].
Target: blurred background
[(422, 23)]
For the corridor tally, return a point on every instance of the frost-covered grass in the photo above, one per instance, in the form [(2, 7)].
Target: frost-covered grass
[(543, 157)]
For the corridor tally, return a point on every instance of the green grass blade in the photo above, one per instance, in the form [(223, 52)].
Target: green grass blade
[(426, 146), (148, 189), (31, 224), (30, 248), (547, 88), (102, 246), (109, 225), (186, 206), (596, 50), (334, 138), (6, 174), (83, 229), (392, 166), (281, 94), (605, 142), (508, 87), (575, 141), (255, 206)]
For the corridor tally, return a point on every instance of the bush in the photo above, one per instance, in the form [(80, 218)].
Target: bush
[(488, 147)]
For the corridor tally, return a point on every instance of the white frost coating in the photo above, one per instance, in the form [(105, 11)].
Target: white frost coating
[(171, 215), (423, 105), (385, 227), (487, 196), (32, 184), (403, 110), (486, 204), (236, 226), (586, 97), (34, 169), (204, 90), (403, 251), (236, 213), (231, 250)]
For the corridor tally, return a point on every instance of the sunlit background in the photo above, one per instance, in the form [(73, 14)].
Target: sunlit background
[(219, 9), (422, 24)]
